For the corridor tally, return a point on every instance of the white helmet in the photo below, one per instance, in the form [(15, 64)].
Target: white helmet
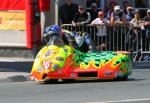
[(117, 7), (148, 11)]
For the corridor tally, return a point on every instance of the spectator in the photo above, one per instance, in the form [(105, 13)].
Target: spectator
[(112, 4), (93, 11), (82, 17), (125, 5), (130, 14), (135, 31), (147, 21), (136, 22), (147, 29), (117, 22), (67, 12), (117, 16), (101, 23), (129, 17), (89, 2)]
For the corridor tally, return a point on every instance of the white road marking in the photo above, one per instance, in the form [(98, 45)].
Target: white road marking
[(126, 100)]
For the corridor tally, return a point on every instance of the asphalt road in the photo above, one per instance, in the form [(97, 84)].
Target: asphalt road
[(135, 90)]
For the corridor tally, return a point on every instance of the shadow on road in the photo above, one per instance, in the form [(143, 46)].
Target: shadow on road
[(88, 81)]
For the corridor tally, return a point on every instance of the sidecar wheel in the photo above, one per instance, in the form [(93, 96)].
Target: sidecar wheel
[(124, 78), (50, 81)]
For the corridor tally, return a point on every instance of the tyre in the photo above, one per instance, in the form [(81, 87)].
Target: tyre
[(124, 78), (68, 80)]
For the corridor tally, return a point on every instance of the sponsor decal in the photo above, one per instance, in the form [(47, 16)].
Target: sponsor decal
[(46, 64), (65, 49), (118, 74), (40, 69), (107, 73), (59, 58), (55, 66), (73, 75), (1, 20), (12, 20), (48, 53), (60, 72)]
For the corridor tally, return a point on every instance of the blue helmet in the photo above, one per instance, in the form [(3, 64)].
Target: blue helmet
[(54, 29)]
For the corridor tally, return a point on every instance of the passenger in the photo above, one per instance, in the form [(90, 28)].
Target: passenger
[(80, 40), (84, 42)]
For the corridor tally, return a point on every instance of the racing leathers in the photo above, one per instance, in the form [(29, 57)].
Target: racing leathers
[(79, 40), (68, 38)]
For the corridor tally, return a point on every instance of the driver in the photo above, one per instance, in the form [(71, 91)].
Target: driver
[(78, 40), (56, 30)]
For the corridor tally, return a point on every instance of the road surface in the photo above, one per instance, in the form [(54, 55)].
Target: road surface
[(135, 90)]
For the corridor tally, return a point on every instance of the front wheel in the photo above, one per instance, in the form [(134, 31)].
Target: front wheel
[(68, 80), (50, 81)]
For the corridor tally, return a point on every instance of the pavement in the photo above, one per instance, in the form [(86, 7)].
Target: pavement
[(15, 69)]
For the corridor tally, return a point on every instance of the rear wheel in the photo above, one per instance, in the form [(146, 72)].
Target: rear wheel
[(124, 78)]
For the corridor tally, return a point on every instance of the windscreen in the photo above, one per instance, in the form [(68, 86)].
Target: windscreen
[(55, 40)]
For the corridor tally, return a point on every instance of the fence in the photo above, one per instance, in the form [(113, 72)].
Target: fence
[(117, 38)]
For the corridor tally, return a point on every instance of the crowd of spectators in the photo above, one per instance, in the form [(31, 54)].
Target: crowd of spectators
[(114, 15)]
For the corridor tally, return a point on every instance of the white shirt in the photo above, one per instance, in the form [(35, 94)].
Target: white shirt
[(101, 26)]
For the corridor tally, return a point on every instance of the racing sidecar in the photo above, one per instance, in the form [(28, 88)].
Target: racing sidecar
[(59, 61)]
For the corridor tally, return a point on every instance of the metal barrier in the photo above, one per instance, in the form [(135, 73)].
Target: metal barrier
[(117, 38)]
